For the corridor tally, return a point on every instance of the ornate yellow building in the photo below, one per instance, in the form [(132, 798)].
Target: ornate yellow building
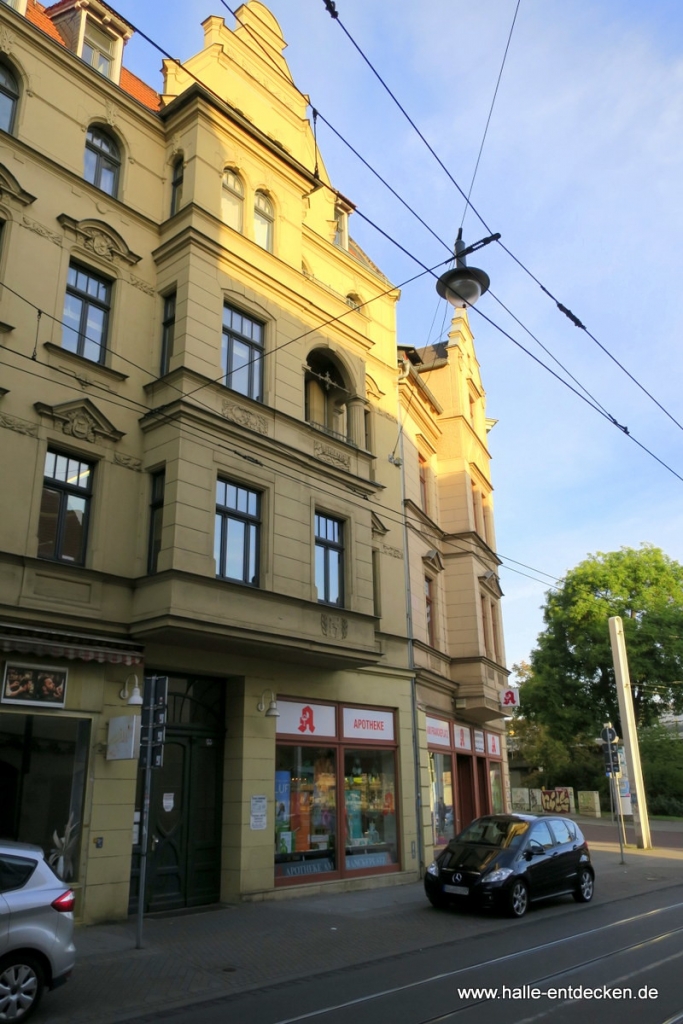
[(199, 389)]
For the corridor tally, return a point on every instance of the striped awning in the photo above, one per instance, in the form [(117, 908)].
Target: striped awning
[(49, 643)]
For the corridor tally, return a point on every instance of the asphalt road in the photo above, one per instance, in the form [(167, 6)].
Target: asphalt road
[(603, 963), (606, 832)]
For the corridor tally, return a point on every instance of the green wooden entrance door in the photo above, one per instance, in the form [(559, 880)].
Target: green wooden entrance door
[(184, 848)]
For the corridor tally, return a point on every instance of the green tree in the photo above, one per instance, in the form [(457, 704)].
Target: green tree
[(571, 687)]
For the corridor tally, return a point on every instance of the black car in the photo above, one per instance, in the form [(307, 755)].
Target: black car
[(507, 861)]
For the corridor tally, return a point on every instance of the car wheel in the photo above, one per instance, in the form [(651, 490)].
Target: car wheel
[(22, 980), (518, 899), (585, 887)]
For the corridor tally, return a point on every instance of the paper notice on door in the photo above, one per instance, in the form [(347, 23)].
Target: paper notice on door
[(167, 801)]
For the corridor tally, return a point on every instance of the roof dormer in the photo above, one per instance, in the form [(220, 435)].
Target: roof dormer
[(94, 32)]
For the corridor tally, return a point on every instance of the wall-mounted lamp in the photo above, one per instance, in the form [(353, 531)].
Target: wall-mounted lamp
[(135, 698), (272, 711)]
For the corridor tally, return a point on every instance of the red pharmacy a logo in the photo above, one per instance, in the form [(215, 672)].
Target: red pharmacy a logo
[(306, 720)]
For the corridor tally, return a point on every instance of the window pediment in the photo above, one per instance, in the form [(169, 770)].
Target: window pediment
[(99, 238), (80, 419), (10, 188), (432, 560), (378, 527)]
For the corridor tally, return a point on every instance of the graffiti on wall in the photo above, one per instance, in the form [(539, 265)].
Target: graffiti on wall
[(555, 801)]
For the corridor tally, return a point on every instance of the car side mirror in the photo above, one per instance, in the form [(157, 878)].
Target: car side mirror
[(534, 850)]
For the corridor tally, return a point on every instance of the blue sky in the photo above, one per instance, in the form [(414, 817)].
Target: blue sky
[(581, 174)]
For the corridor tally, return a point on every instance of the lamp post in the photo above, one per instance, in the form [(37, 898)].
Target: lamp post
[(463, 285)]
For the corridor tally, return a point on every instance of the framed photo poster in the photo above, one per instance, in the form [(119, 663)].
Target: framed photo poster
[(39, 685)]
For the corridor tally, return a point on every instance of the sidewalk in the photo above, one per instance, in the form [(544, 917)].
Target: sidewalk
[(198, 956)]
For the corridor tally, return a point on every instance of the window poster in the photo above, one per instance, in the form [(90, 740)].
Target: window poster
[(34, 684), (283, 833)]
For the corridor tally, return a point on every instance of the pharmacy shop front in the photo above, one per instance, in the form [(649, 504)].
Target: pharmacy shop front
[(336, 792), (465, 775)]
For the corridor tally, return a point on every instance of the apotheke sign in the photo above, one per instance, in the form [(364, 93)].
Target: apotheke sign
[(362, 723)]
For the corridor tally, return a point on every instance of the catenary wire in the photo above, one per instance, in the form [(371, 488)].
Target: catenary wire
[(564, 309), (317, 114), (331, 8), (488, 119)]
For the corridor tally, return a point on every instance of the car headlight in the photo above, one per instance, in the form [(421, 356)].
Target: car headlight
[(433, 869), (498, 876)]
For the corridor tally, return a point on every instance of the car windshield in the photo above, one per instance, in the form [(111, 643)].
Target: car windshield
[(494, 832)]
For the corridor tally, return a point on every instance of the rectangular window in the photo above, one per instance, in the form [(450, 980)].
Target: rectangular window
[(98, 48), (429, 612), (238, 526), (156, 515), (242, 353), (370, 801), (376, 583), (442, 801), (167, 333), (305, 811), (64, 509), (422, 470), (329, 559), (86, 314)]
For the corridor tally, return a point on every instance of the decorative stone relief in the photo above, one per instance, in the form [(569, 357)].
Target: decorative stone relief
[(245, 417), (334, 626), (111, 114), (21, 426), (6, 40), (387, 549), (81, 419), (137, 282), (326, 453), (128, 462), (99, 238), (41, 230)]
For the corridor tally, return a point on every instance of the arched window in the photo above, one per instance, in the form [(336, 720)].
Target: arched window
[(102, 161), (264, 215), (326, 396), (233, 199), (177, 185), (9, 96)]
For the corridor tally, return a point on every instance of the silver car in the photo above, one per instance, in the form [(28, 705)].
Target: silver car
[(36, 929)]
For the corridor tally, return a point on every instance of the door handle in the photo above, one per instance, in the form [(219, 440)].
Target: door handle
[(155, 842)]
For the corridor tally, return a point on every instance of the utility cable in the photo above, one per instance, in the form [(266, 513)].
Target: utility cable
[(488, 119), (331, 8)]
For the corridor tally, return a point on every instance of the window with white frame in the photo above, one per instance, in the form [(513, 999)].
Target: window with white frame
[(232, 200), (98, 48), (264, 217)]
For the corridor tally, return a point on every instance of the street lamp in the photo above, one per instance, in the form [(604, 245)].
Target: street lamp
[(463, 285)]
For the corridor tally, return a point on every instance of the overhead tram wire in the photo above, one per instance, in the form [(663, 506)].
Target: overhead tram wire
[(200, 435), (331, 9), (175, 60), (488, 119)]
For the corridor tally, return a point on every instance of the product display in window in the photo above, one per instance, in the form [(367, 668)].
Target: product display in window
[(370, 804), (305, 811), (442, 803)]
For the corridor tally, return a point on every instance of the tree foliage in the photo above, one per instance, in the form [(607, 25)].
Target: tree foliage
[(571, 687)]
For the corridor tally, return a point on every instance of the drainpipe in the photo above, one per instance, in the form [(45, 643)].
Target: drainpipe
[(411, 661)]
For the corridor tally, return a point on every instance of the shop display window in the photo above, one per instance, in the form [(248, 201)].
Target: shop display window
[(43, 761), (441, 792), (305, 811), (370, 809), (496, 778)]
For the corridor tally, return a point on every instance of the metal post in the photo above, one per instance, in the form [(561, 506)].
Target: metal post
[(628, 725), (144, 818), (615, 792)]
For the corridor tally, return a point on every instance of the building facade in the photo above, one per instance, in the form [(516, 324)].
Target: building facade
[(453, 589), (199, 388)]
